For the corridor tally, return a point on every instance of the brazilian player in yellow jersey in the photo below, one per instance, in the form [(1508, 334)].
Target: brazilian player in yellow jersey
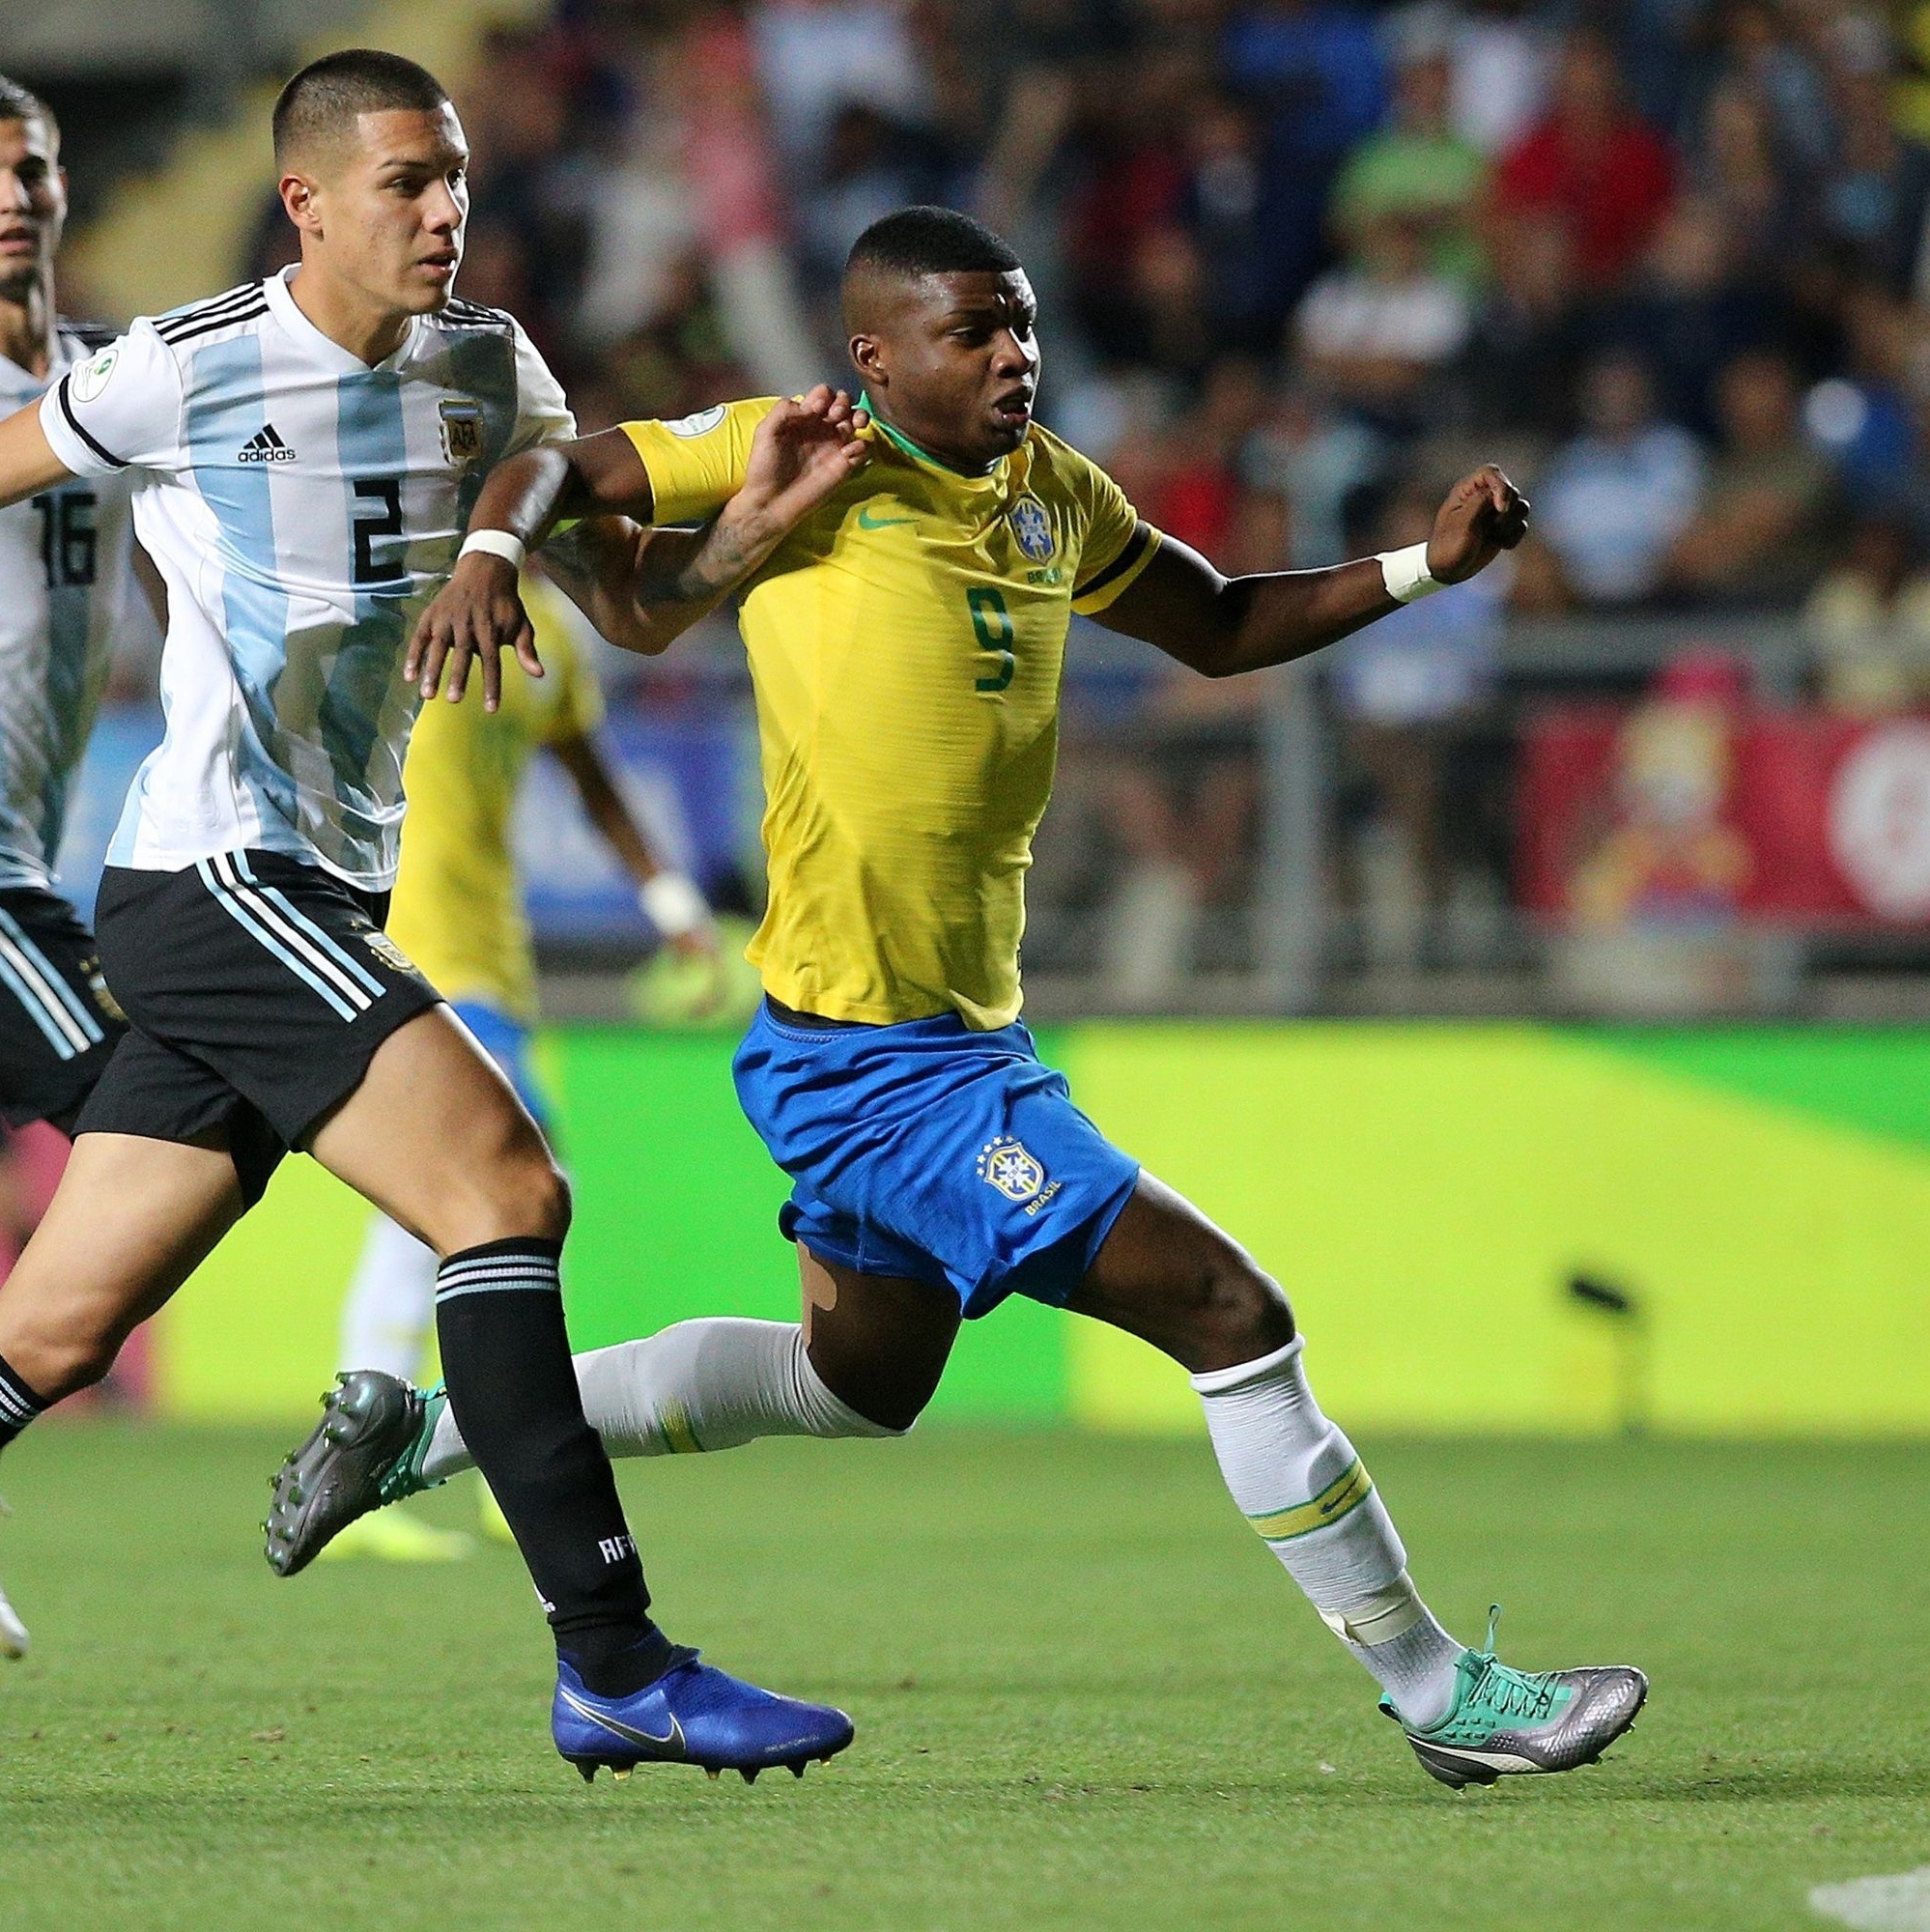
[(908, 567), (458, 914), (907, 657)]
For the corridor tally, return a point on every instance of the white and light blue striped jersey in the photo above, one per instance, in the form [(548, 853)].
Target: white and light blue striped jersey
[(303, 508), (66, 592)]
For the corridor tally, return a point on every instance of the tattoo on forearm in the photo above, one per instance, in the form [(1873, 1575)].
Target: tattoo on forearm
[(717, 565), (719, 561)]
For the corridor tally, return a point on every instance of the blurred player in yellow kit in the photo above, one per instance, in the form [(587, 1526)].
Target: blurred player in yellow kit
[(458, 914)]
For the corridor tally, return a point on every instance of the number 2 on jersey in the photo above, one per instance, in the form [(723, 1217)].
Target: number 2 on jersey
[(992, 625), (388, 492)]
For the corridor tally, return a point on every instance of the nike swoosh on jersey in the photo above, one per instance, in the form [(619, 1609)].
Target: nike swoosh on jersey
[(671, 1744), (868, 521)]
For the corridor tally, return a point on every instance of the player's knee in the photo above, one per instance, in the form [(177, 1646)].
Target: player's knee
[(536, 1199), (888, 1394), (1233, 1311), (550, 1206), (56, 1364), (886, 1401), (521, 1195)]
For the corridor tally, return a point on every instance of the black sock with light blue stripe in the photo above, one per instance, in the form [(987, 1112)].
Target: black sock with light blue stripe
[(513, 1388), (18, 1404)]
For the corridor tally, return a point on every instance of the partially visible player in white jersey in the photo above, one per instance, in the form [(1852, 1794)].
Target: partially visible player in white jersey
[(303, 454), (68, 591)]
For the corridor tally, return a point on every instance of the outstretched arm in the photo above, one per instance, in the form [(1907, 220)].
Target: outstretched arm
[(28, 464), (800, 452), (1220, 626), (478, 613)]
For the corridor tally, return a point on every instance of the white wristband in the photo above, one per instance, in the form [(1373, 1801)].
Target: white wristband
[(494, 543), (1404, 572), (673, 904)]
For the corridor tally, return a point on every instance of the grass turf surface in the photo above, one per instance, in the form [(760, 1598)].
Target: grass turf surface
[(1085, 1698)]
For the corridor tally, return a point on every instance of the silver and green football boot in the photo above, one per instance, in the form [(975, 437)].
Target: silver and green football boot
[(1507, 1722), (366, 1451)]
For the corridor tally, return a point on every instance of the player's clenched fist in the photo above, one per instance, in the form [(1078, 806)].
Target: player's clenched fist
[(1484, 515), (478, 613)]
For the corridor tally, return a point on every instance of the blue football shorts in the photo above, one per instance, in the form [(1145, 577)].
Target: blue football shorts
[(930, 1152)]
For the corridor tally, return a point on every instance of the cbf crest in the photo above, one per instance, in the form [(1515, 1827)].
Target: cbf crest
[(1005, 1164), (462, 431), (1033, 528)]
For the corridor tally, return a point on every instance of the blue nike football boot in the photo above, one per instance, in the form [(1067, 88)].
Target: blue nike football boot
[(692, 1713)]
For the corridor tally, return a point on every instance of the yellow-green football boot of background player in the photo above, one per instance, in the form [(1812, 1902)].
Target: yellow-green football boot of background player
[(490, 1523), (1506, 1723), (394, 1536)]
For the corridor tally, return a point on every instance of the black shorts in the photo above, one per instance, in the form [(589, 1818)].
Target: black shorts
[(258, 989), (58, 1023)]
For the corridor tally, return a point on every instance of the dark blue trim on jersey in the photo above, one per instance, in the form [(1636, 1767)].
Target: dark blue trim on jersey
[(198, 312), (472, 315), (232, 319), (1135, 549), (73, 423)]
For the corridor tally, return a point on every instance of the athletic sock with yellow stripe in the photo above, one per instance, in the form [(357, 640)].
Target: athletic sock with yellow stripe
[(1299, 1482)]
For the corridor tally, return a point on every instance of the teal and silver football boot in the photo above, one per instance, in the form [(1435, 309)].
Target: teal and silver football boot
[(1506, 1723), (366, 1451)]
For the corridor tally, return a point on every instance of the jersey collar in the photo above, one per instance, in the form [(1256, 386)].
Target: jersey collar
[(324, 349), (900, 441)]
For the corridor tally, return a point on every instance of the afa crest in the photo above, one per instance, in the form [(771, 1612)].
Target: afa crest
[(461, 430), (1033, 528), (1005, 1164), (388, 951)]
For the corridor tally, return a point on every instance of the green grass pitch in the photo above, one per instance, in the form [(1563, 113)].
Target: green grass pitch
[(1085, 1698)]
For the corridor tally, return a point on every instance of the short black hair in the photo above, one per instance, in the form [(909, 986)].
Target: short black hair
[(916, 242), (322, 102), (20, 103)]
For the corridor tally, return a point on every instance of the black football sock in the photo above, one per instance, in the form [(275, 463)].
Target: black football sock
[(513, 1388), (18, 1404)]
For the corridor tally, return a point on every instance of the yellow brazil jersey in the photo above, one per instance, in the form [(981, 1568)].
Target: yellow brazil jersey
[(458, 906), (906, 642)]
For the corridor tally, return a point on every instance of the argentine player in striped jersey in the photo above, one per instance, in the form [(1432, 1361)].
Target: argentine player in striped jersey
[(303, 454), (66, 592)]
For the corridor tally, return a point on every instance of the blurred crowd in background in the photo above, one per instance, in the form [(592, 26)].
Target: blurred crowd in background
[(1300, 264)]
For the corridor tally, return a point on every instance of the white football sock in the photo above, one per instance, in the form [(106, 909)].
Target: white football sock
[(712, 1383), (1299, 1482), (391, 1303)]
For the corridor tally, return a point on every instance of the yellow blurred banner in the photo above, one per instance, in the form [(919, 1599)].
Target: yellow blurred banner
[(1758, 1204), (1426, 1193)]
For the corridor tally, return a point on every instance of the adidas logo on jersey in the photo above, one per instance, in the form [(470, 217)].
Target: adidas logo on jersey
[(265, 446)]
